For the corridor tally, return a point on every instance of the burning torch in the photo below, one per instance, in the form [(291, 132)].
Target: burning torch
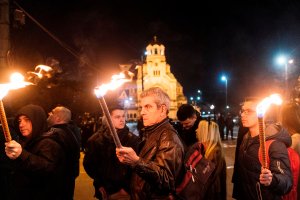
[(100, 91), (261, 110), (16, 81)]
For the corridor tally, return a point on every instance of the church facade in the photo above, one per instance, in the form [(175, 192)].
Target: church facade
[(154, 71)]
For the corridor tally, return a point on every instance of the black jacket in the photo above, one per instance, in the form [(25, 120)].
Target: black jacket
[(101, 163), (249, 167), (68, 136), (160, 163), (189, 136), (39, 169)]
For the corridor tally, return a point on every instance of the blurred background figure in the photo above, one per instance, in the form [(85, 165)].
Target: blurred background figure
[(229, 126), (221, 124)]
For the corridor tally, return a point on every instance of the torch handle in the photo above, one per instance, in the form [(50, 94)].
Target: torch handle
[(262, 141), (4, 123), (110, 124)]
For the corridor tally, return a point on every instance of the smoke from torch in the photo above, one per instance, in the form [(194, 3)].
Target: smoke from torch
[(261, 110), (100, 91)]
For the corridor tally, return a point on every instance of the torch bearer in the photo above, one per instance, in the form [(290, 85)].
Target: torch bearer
[(260, 110), (100, 91), (17, 81)]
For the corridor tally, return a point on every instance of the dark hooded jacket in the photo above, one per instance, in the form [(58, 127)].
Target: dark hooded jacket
[(249, 167), (101, 163), (39, 169)]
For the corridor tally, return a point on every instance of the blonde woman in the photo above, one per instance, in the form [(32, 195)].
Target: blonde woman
[(208, 134)]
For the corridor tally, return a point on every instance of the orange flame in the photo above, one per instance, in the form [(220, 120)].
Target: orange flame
[(16, 82), (117, 81), (262, 107)]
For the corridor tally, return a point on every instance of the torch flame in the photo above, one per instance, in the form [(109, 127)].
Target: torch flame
[(117, 81), (16, 82), (266, 102)]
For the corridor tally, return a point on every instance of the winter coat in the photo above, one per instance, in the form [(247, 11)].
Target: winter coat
[(68, 136), (249, 167), (160, 163), (39, 169), (101, 163)]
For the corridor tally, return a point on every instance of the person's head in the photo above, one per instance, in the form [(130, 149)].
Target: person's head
[(31, 121), (248, 113), (208, 134), (59, 115), (291, 117), (155, 105), (186, 114), (117, 114)]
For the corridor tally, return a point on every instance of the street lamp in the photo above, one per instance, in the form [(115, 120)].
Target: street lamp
[(224, 78), (283, 60)]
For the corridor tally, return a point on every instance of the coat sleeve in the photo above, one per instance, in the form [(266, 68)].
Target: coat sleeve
[(90, 161), (46, 160), (165, 167), (280, 167)]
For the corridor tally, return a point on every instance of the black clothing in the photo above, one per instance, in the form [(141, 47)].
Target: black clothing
[(6, 166), (221, 123), (249, 167), (68, 136), (229, 126), (235, 176), (101, 163), (39, 169), (189, 136), (161, 158)]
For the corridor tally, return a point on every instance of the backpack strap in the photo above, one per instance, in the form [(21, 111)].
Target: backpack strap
[(268, 143), (192, 161)]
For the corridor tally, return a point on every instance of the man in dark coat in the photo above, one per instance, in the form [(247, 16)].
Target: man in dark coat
[(6, 164), (189, 119), (255, 181), (111, 178), (67, 134), (39, 159), (158, 165)]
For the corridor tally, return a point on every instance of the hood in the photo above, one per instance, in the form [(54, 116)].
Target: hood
[(277, 132), (37, 116)]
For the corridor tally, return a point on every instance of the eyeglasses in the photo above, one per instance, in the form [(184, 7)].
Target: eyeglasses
[(247, 111)]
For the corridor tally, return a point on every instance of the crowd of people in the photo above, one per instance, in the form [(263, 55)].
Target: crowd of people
[(42, 159)]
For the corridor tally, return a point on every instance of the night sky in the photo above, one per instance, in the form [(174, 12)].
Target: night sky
[(203, 41)]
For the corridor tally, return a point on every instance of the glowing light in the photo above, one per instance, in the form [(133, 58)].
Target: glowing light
[(262, 107), (117, 81), (3, 90)]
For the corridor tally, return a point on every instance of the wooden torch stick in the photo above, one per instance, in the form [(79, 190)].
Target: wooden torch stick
[(262, 141), (4, 123)]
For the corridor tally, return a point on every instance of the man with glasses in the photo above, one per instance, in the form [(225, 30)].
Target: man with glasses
[(158, 164), (253, 180)]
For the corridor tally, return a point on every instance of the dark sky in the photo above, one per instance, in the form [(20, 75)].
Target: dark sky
[(203, 41)]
